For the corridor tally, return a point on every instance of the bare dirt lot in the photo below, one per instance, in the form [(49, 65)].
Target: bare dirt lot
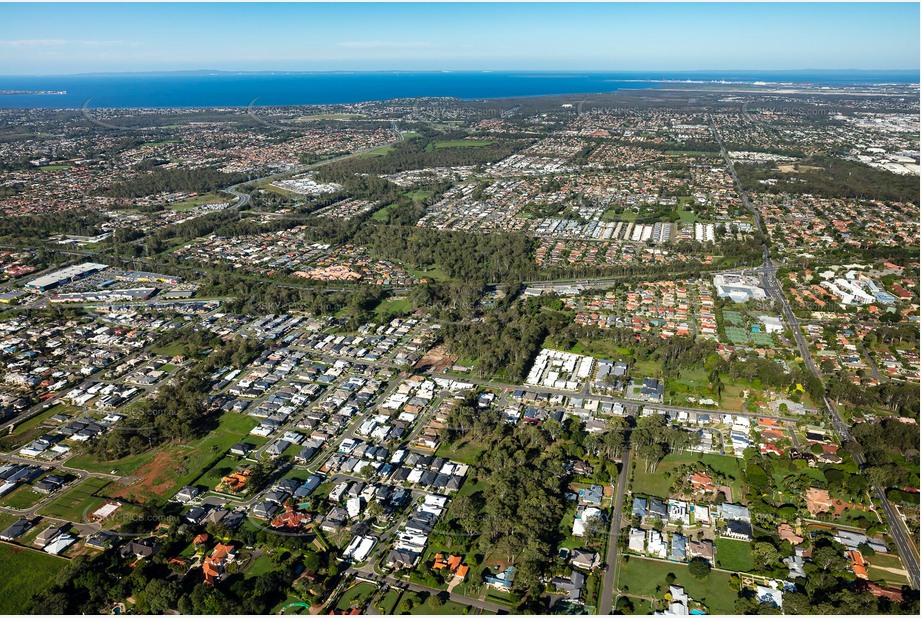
[(436, 360)]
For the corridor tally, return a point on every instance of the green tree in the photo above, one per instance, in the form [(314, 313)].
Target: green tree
[(699, 568)]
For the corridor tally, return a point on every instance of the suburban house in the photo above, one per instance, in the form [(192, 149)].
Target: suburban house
[(187, 494), (140, 548), (584, 559), (213, 566), (637, 540), (502, 580), (738, 530), (700, 549), (786, 533), (15, 530), (572, 585)]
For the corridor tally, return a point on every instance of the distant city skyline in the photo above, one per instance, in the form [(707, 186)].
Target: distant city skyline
[(55, 39)]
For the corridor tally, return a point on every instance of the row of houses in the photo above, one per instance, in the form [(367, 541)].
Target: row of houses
[(413, 537), (737, 518), (675, 546)]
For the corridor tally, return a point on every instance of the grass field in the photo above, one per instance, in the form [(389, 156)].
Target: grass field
[(356, 596), (211, 477), (460, 143), (419, 196), (392, 307), (76, 504), (734, 555), (377, 152), (388, 603), (641, 607), (174, 466), (123, 466), (27, 572), (730, 466), (381, 214), (22, 498), (502, 598), (655, 483), (54, 168), (686, 216), (888, 577), (192, 202), (647, 578), (259, 566), (646, 369), (462, 451), (887, 568), (435, 273), (176, 348)]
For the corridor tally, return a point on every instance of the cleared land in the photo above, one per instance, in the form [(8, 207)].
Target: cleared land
[(459, 143), (26, 572), (734, 555), (76, 504), (177, 465)]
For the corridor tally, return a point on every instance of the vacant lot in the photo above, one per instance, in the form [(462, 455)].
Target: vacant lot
[(654, 483), (175, 348), (122, 467), (463, 451), (393, 307), (23, 497), (25, 573), (178, 465), (734, 555), (76, 504), (460, 143), (436, 360)]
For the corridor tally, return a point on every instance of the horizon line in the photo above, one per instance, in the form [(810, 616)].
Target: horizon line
[(442, 71)]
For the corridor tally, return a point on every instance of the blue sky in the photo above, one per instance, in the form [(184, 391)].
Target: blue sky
[(76, 38)]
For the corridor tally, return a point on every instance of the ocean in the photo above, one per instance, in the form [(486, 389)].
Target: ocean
[(227, 89)]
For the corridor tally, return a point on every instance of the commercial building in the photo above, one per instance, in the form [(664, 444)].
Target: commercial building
[(65, 275)]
